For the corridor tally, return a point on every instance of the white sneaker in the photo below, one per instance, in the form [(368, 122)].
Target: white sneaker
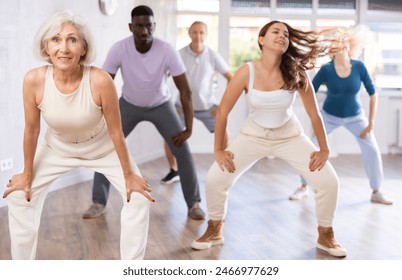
[(378, 197), (299, 194)]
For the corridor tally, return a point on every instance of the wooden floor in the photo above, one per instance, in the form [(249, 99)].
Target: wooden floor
[(261, 223)]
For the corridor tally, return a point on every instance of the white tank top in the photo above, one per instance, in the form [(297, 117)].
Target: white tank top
[(270, 109), (74, 117)]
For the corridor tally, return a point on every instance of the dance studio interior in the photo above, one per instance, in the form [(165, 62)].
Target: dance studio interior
[(262, 223)]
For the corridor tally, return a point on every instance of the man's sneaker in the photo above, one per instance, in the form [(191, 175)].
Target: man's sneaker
[(171, 177), (213, 236), (326, 241), (299, 193), (195, 212), (94, 211), (378, 197)]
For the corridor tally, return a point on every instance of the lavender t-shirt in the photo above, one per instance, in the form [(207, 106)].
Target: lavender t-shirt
[(144, 75)]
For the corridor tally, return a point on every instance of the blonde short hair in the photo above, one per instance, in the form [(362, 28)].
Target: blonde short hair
[(53, 25)]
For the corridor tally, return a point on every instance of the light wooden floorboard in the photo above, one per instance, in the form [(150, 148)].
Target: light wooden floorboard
[(261, 222)]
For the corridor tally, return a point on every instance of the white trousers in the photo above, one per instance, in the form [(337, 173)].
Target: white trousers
[(288, 143), (53, 159)]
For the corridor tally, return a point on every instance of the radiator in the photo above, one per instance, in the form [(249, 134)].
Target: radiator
[(399, 128)]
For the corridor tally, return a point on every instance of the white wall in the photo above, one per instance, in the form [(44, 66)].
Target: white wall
[(19, 20)]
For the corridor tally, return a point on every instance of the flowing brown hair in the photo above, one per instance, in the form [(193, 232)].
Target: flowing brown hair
[(305, 47)]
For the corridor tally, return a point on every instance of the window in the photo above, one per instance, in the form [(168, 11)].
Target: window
[(250, 6), (294, 6), (384, 57), (243, 39), (337, 4), (385, 5), (337, 7)]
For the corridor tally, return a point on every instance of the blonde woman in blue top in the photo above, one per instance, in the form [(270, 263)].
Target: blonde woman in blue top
[(343, 78), (272, 128)]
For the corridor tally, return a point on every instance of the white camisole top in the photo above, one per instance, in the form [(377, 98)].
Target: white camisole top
[(269, 109), (74, 117)]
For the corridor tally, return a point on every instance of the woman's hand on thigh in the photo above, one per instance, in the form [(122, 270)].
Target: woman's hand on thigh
[(19, 182), (225, 160), (135, 183), (366, 132), (318, 160)]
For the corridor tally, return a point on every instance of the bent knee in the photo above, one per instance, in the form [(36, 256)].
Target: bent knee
[(217, 178), (325, 179), (17, 198), (138, 200)]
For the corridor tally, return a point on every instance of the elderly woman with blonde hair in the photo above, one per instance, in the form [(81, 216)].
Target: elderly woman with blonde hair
[(79, 104)]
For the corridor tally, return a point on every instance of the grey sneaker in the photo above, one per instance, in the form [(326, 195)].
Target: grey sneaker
[(94, 211), (378, 197), (195, 212), (299, 194)]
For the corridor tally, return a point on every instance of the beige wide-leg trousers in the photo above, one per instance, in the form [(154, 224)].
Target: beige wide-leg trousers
[(53, 159), (288, 143)]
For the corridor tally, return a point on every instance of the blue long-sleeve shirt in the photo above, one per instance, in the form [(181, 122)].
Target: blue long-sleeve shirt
[(342, 98)]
